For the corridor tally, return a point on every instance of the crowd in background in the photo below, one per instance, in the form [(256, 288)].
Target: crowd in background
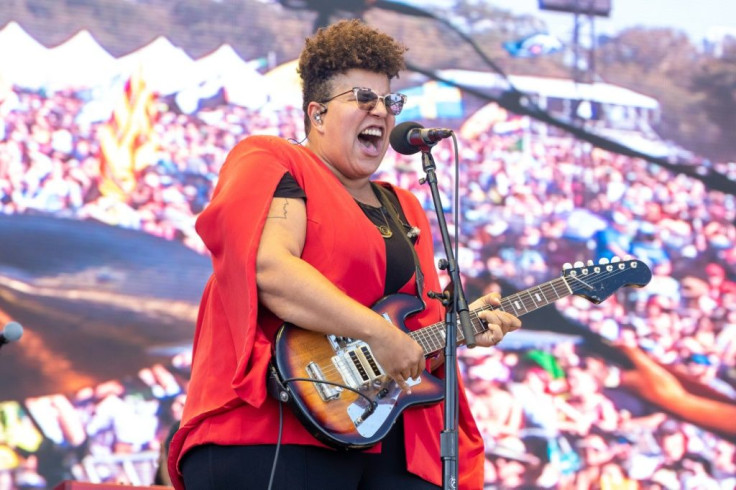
[(552, 416)]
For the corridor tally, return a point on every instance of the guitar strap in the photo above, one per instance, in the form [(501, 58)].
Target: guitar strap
[(394, 214)]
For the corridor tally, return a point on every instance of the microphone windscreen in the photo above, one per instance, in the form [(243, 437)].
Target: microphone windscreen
[(12, 331), (399, 138)]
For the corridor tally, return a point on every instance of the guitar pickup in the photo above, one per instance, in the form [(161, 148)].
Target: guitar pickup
[(372, 364), (364, 365), (357, 366), (326, 391)]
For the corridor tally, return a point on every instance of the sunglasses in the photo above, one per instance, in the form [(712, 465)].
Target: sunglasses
[(367, 100)]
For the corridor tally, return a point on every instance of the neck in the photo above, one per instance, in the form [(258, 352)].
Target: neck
[(359, 188), (364, 194)]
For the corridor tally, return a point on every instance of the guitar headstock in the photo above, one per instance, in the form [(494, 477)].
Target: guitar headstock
[(596, 282)]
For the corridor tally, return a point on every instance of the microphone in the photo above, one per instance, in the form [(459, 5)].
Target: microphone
[(11, 332), (409, 137)]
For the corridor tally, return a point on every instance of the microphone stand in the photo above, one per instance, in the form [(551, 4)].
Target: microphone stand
[(457, 306)]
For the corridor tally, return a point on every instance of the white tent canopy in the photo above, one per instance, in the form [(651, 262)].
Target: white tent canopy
[(243, 84), (79, 62), (165, 68), (17, 49)]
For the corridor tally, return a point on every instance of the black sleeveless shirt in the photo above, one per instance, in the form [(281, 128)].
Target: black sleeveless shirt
[(399, 257)]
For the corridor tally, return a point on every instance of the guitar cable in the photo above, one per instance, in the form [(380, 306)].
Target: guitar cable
[(278, 446), (283, 395), (372, 404)]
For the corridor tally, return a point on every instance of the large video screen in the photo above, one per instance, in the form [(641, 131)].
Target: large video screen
[(107, 157)]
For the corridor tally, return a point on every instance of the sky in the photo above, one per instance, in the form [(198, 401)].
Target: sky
[(695, 17)]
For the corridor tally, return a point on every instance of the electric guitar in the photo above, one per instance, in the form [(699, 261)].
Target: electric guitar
[(342, 396)]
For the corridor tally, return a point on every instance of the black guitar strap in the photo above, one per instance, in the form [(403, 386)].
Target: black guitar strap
[(394, 214)]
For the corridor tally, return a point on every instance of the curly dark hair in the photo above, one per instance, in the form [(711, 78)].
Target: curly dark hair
[(340, 47)]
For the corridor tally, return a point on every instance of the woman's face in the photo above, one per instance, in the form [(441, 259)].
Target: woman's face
[(350, 140)]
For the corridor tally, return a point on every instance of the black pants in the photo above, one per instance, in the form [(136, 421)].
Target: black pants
[(212, 467)]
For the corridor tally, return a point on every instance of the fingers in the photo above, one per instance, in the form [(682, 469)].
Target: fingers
[(490, 337), (401, 381), (498, 324), (412, 372), (497, 321), (492, 299), (400, 356), (417, 369), (504, 322), (496, 333)]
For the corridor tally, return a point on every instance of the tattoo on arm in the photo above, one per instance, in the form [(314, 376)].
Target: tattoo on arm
[(282, 214)]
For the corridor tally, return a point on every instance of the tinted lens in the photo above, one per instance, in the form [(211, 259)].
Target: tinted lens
[(366, 98), (394, 103)]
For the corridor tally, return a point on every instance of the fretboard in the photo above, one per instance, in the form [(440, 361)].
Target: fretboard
[(432, 337)]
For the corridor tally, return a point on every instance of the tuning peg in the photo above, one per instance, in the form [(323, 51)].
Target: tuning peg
[(579, 264), (603, 261), (566, 266), (616, 259), (590, 263)]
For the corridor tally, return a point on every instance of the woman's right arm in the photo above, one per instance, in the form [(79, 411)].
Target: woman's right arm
[(299, 294)]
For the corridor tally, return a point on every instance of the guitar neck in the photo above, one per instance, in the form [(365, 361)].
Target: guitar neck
[(432, 337)]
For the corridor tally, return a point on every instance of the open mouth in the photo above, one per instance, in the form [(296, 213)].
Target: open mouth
[(370, 138)]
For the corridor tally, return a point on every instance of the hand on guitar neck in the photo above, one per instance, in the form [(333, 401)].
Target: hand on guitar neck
[(497, 321), (498, 324)]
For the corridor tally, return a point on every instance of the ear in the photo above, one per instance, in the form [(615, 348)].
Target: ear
[(316, 110)]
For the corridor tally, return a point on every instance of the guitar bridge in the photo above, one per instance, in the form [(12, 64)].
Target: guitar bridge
[(326, 391)]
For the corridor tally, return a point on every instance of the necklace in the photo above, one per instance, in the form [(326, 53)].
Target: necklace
[(385, 229), (372, 213)]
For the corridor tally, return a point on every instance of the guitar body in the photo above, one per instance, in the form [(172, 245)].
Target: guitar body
[(341, 417)]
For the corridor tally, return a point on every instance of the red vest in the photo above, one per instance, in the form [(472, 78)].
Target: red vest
[(227, 402)]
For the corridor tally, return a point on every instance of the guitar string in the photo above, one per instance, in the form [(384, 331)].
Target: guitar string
[(437, 341), (434, 341), (507, 303)]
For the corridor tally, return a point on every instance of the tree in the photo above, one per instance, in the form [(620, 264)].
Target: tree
[(660, 63), (715, 83)]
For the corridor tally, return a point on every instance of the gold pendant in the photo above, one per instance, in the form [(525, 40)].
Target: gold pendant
[(385, 231)]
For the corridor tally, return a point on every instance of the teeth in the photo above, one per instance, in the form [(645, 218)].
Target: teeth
[(378, 132)]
